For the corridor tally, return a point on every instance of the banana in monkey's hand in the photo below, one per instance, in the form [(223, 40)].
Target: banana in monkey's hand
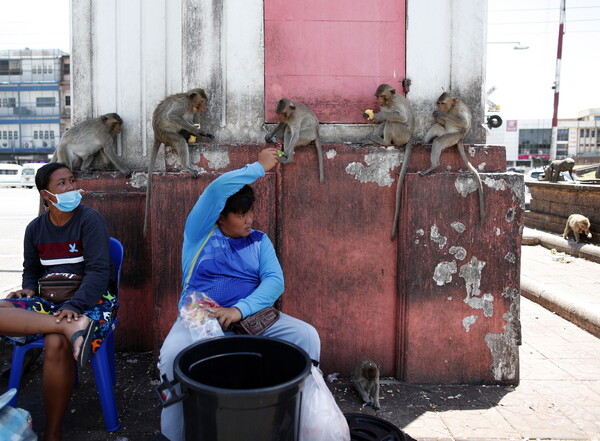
[(368, 114), (192, 138)]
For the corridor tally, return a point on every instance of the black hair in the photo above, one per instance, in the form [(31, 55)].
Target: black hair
[(240, 202), (42, 177)]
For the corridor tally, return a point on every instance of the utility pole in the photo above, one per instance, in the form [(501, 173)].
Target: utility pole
[(556, 87)]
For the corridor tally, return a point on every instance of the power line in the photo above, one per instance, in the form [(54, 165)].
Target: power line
[(540, 22), (542, 9)]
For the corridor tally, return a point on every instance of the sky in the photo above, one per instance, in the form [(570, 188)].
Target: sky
[(523, 79)]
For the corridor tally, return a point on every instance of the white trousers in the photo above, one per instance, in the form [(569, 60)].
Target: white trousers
[(286, 328)]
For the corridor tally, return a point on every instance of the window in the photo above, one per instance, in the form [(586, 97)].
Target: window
[(45, 102), (45, 69), (10, 134), (562, 135), (49, 69), (581, 132), (16, 135), (9, 102), (35, 134), (66, 69), (67, 100), (587, 133), (51, 134), (4, 135), (46, 135), (10, 67)]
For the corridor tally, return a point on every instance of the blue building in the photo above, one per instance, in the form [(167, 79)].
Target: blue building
[(34, 103)]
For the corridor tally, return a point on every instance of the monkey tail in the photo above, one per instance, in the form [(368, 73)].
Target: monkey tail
[(319, 155), (407, 152), (153, 154), (463, 155)]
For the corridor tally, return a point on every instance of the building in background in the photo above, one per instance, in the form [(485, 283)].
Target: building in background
[(528, 140), (34, 103)]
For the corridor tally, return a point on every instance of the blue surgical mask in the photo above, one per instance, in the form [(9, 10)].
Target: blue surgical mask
[(68, 201)]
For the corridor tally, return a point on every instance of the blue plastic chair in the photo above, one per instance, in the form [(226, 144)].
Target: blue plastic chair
[(103, 362)]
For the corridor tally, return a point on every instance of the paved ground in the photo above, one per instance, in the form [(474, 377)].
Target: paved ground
[(558, 396)]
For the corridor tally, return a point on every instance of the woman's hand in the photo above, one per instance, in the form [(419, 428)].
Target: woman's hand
[(268, 158), (226, 316), (66, 313), (19, 294)]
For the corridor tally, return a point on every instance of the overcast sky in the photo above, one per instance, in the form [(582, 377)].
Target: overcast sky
[(523, 78)]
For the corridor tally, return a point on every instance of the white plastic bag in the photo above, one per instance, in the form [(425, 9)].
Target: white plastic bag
[(194, 313), (320, 417)]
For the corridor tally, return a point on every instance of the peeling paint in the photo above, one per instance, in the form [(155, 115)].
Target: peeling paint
[(139, 180), (330, 154), (449, 298), (465, 184), (498, 232), (495, 184), (458, 226), (510, 257), (511, 293), (471, 273), (379, 165), (459, 252), (443, 272), (420, 232), (217, 159), (468, 321), (504, 347), (510, 215), (481, 166), (437, 237), (471, 150), (485, 302), (417, 242)]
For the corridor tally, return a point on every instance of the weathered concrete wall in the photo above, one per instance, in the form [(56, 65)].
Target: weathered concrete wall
[(439, 304), (553, 202)]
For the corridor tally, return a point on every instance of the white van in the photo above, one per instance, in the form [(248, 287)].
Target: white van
[(28, 173), (10, 175)]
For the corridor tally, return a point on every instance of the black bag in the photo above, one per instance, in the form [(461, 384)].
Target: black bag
[(59, 287)]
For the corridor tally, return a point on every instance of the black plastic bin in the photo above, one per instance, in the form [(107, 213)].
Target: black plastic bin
[(365, 427), (242, 388)]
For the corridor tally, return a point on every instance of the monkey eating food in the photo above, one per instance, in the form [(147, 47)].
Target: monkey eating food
[(396, 123), (365, 378), (452, 122), (90, 139), (174, 114), (298, 126)]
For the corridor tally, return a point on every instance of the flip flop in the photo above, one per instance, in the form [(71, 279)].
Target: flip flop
[(87, 335)]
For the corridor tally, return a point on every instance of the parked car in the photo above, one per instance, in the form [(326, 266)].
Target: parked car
[(10, 175)]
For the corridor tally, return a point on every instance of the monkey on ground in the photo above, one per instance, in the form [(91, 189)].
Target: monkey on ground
[(396, 123), (298, 126), (90, 139), (174, 114), (365, 379), (577, 224), (452, 122)]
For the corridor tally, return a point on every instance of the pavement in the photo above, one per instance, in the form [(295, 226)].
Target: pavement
[(558, 397)]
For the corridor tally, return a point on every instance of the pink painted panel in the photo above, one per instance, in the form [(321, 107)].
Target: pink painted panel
[(332, 55)]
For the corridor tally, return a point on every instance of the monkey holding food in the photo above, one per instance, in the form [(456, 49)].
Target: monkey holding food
[(298, 126), (365, 378), (577, 224), (174, 114), (396, 118), (452, 122), (90, 139)]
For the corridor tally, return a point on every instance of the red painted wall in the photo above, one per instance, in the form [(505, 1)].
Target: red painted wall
[(332, 54), (366, 295)]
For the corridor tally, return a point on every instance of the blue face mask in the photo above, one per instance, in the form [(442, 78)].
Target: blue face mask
[(68, 201)]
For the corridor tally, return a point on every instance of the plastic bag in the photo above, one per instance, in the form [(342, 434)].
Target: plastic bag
[(194, 313), (15, 423), (320, 417)]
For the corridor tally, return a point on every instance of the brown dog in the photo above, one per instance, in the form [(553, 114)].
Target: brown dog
[(578, 224)]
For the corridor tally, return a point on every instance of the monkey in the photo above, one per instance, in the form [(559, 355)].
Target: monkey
[(365, 378), (174, 114), (396, 118), (552, 172), (91, 138), (298, 126), (577, 224), (452, 122)]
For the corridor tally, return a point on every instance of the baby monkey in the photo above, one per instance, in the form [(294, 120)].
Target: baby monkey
[(365, 379)]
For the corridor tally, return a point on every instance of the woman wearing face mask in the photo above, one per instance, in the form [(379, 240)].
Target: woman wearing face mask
[(67, 238)]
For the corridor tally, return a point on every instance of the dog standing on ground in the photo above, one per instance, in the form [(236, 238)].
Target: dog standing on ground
[(578, 224)]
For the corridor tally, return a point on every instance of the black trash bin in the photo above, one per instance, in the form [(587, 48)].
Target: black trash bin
[(365, 427), (242, 388)]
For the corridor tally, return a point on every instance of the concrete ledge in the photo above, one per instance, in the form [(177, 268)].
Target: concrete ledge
[(547, 240), (570, 309)]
